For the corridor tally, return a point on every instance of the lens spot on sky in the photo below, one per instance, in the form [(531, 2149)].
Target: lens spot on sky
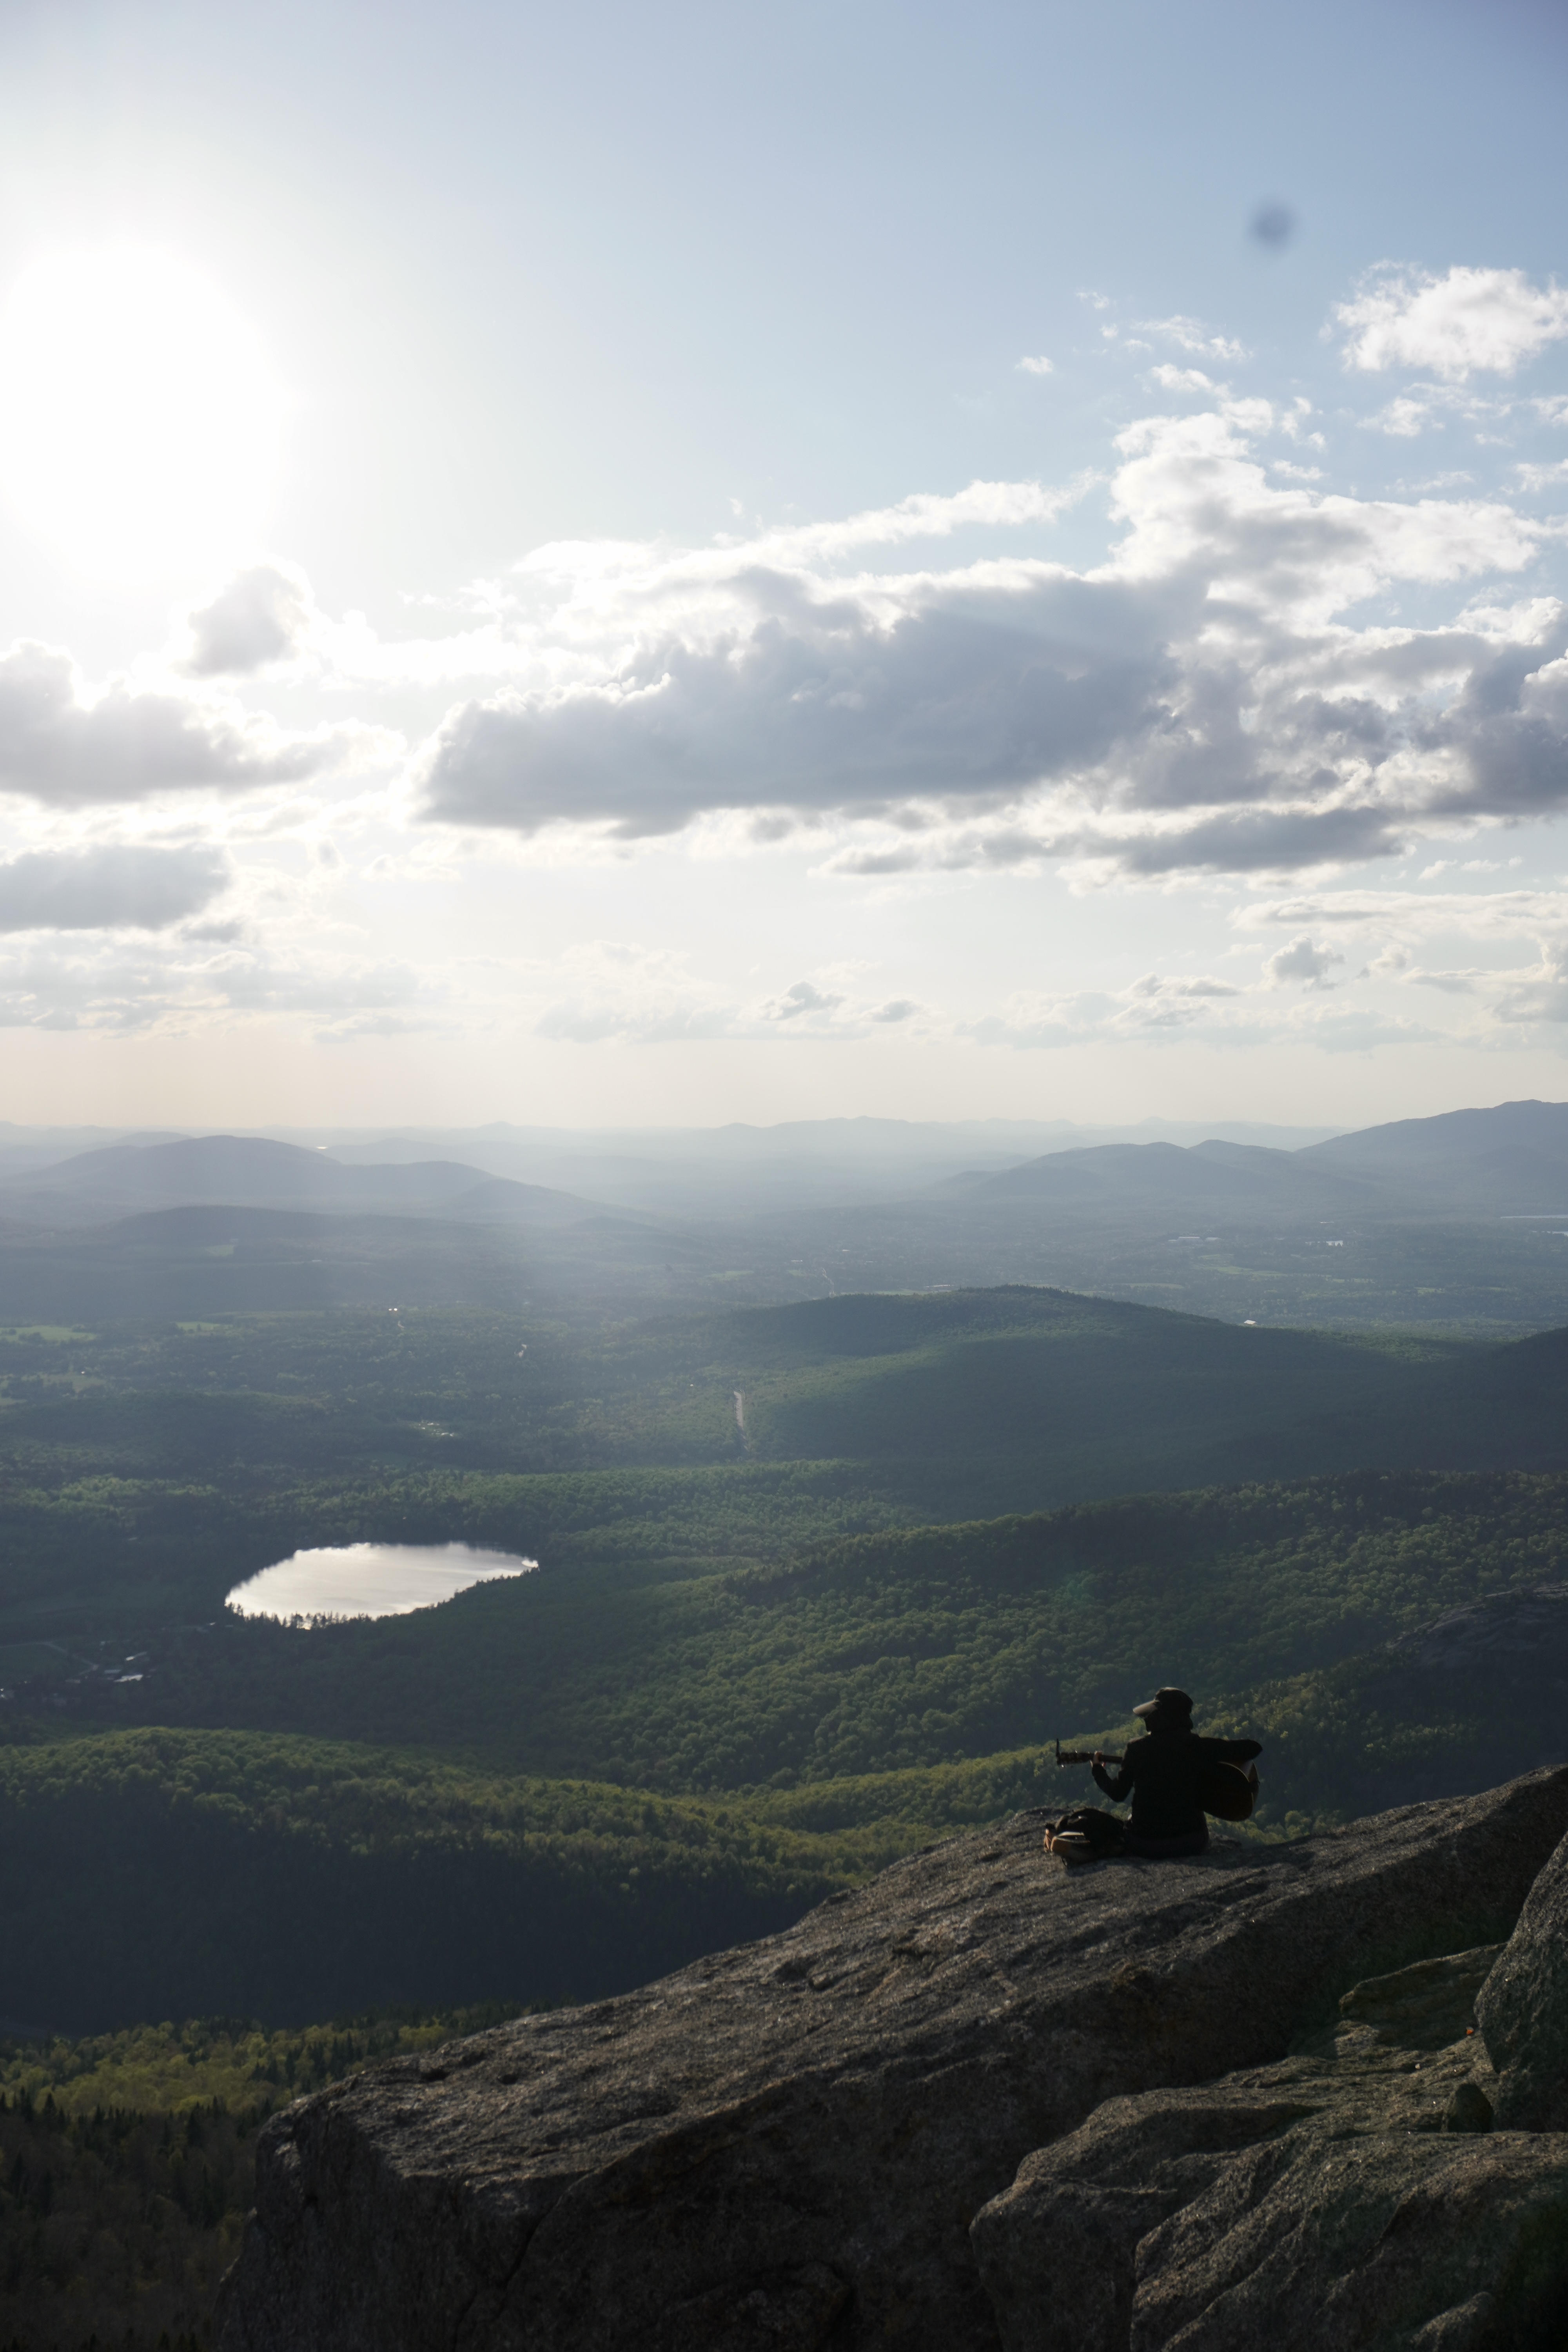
[(1273, 226)]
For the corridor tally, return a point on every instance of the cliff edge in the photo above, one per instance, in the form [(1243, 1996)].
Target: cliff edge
[(786, 2145)]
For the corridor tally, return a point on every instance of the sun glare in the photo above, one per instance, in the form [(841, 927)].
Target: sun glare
[(139, 417)]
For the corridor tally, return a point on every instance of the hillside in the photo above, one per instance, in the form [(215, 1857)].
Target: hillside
[(1512, 1158), (144, 1471), (921, 1647), (180, 1874), (560, 1786), (744, 1672)]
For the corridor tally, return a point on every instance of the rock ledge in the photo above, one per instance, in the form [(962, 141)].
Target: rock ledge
[(786, 2146)]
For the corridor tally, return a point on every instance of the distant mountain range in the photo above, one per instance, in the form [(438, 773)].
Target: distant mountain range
[(253, 1172), (1508, 1160), (1450, 1221), (733, 1172), (1213, 1174), (1512, 1161)]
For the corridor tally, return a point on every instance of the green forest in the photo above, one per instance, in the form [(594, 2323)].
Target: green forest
[(752, 1666), (127, 2160)]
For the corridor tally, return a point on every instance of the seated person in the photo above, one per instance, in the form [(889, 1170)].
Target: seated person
[(1163, 1775)]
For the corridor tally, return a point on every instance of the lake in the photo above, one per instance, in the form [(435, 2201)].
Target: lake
[(369, 1580)]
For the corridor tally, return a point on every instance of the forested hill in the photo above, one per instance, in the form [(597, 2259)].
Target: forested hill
[(547, 1789), (872, 1653), (145, 1470)]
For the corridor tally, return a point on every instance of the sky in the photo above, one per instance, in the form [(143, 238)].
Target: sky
[(607, 566)]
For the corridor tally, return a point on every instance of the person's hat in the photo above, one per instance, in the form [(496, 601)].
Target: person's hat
[(1167, 1702)]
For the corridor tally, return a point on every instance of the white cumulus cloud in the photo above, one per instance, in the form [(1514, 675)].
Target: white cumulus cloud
[(259, 617), (1467, 321), (804, 998), (130, 885), (1195, 703), (1180, 379), (61, 744), (1306, 962)]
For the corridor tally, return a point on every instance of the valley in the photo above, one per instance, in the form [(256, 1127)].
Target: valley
[(765, 1652)]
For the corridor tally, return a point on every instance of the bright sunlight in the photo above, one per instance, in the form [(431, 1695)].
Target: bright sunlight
[(140, 415)]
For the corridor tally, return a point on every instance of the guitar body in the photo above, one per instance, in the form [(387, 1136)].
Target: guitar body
[(1225, 1791)]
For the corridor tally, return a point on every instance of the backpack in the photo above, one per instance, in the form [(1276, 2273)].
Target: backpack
[(1087, 1835)]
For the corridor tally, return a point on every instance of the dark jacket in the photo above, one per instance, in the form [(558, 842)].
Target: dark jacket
[(1159, 1773)]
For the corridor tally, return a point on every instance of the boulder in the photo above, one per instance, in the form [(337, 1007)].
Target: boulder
[(1523, 2010), (786, 2144), (1320, 2205), (1425, 2006)]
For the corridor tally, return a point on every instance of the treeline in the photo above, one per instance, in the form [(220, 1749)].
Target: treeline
[(126, 2166), (115, 2227)]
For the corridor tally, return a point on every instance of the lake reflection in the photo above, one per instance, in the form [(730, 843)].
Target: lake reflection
[(369, 1579)]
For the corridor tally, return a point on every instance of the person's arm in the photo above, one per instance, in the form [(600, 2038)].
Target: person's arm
[(1099, 1772)]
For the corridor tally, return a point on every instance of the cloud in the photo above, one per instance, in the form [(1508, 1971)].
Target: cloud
[(110, 986), (63, 746), (1392, 964), (359, 998), (1453, 983), (1177, 379), (1409, 414), (1153, 1007), (1192, 335), (578, 1025), (1157, 1002), (1252, 841), (1542, 995), (1467, 322), (1200, 986), (1038, 367), (1485, 914), (259, 616), (617, 991), (1199, 702), (924, 514), (802, 998), (1030, 1020), (818, 703), (113, 887), (1421, 408), (1305, 961)]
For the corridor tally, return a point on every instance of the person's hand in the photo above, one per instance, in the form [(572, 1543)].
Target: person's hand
[(1099, 1756)]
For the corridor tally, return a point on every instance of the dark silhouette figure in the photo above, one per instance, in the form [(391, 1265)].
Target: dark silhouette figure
[(1170, 1776)]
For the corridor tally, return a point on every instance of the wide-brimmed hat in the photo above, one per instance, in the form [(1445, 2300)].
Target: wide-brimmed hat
[(1167, 1702)]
